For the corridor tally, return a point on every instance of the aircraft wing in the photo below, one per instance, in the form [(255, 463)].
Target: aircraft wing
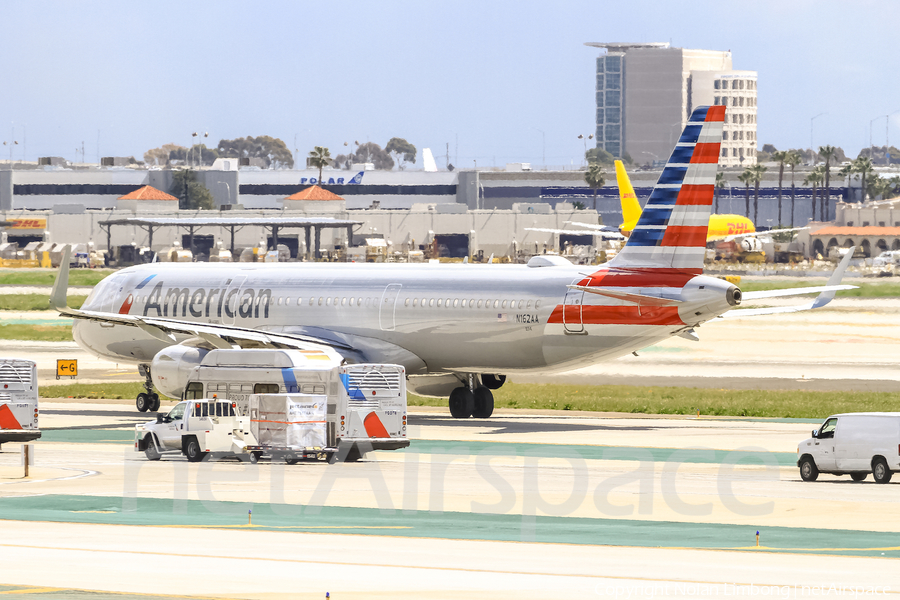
[(592, 226), (220, 336), (728, 238), (826, 295), (607, 234)]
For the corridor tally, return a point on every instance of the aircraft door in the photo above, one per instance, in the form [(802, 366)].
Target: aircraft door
[(572, 308), (231, 301), (388, 309)]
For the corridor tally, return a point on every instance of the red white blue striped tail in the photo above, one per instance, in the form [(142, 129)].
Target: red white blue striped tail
[(671, 232)]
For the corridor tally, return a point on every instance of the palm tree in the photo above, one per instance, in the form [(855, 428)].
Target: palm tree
[(814, 179), (594, 178), (319, 157), (780, 156), (792, 160), (758, 170), (746, 177), (829, 153), (863, 165), (846, 173), (720, 185)]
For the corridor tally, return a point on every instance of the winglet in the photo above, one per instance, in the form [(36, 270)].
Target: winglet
[(836, 277), (61, 285)]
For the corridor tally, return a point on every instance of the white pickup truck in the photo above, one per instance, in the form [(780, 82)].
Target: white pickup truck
[(287, 404)]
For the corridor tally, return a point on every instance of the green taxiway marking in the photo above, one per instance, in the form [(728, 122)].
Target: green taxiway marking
[(688, 455), (445, 525), (460, 447), (88, 436)]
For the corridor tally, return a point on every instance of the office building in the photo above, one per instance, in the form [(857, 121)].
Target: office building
[(646, 92)]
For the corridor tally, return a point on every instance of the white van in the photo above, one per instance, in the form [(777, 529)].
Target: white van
[(854, 444)]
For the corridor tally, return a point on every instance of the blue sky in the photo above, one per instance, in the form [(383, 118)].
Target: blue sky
[(485, 77)]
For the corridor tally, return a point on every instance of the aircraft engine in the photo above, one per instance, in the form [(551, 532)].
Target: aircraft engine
[(751, 244), (171, 367)]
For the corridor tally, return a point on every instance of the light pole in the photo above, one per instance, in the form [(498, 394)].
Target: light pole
[(543, 147), (11, 144), (199, 137), (585, 139), (655, 157), (811, 151)]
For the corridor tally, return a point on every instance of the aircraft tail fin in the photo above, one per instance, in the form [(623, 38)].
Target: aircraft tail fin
[(631, 208), (671, 231)]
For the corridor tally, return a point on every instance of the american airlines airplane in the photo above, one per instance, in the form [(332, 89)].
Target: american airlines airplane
[(459, 330)]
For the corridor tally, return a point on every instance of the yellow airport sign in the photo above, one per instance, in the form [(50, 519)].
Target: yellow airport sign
[(66, 368)]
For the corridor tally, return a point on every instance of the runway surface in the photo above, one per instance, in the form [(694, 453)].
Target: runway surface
[(522, 505)]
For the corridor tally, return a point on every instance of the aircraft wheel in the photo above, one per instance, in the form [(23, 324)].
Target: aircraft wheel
[(151, 452), (880, 471), (154, 402), (142, 402), (484, 403), (462, 403), (858, 476), (808, 469)]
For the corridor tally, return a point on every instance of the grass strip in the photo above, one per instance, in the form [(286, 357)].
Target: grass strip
[(26, 302), (612, 398), (684, 401), (38, 333), (110, 391), (48, 276)]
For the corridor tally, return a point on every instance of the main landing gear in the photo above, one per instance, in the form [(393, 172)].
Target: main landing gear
[(472, 400), (148, 400)]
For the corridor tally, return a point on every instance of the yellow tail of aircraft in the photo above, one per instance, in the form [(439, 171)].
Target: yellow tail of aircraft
[(631, 208), (720, 226)]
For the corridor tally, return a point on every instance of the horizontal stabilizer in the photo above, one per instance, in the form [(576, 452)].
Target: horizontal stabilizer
[(746, 296), (826, 295), (639, 299)]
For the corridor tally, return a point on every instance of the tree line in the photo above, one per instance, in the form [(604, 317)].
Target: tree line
[(872, 184), (273, 151)]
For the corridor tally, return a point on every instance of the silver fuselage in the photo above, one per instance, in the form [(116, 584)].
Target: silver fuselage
[(431, 318)]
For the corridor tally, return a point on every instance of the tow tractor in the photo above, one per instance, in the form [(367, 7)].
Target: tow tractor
[(287, 404)]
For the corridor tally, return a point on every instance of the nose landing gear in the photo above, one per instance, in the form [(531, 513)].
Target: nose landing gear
[(149, 400)]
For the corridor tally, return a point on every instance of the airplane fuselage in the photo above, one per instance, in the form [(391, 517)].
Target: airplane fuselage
[(430, 318)]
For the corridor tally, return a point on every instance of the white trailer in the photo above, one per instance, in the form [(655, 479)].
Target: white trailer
[(288, 404), (18, 400)]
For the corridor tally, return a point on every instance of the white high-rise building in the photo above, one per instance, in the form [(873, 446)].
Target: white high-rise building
[(646, 92)]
